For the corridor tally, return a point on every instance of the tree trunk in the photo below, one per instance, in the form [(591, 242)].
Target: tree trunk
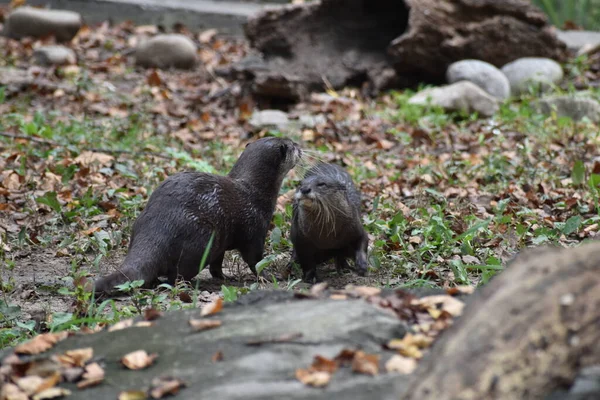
[(388, 43), (525, 334)]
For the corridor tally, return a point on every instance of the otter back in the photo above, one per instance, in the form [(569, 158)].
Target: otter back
[(326, 221)]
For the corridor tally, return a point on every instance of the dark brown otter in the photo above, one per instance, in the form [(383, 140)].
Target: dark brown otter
[(326, 221), (171, 234)]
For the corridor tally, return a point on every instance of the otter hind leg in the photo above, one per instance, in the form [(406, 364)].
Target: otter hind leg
[(360, 257), (341, 264), (216, 267)]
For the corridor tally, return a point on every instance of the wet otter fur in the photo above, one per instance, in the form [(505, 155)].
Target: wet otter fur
[(326, 221), (172, 232)]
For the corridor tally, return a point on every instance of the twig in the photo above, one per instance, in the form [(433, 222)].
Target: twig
[(94, 149)]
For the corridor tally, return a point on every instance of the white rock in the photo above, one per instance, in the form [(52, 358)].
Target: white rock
[(463, 95), (54, 55), (537, 71), (166, 51), (269, 118), (37, 23), (481, 73), (574, 107), (575, 40)]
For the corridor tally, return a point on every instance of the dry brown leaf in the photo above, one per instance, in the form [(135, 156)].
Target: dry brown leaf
[(345, 356), (30, 384), (204, 324), (365, 363), (52, 393), (363, 291), (318, 289), (150, 314), (143, 324), (133, 395), (212, 308), (87, 158), (324, 364), (138, 359), (165, 386), (10, 391), (444, 302), (338, 297), (207, 35), (126, 323), (93, 375), (218, 356), (40, 343), (313, 378), (77, 357), (401, 364), (153, 78), (460, 290)]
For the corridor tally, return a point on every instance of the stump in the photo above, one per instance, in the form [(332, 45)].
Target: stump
[(388, 43), (525, 334)]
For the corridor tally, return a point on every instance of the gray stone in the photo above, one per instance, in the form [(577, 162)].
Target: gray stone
[(269, 119), (576, 40), (54, 55), (165, 51), (542, 73), (311, 121), (463, 95), (574, 107), (481, 73), (37, 23), (249, 372)]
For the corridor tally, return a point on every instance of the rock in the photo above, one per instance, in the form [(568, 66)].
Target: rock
[(576, 40), (261, 371), (38, 23), (54, 55), (166, 51), (574, 107), (481, 73), (269, 119), (541, 72), (463, 95)]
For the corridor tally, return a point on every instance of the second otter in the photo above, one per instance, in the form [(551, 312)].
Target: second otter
[(326, 221)]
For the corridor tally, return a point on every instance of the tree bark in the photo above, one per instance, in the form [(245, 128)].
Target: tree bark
[(388, 43), (525, 334)]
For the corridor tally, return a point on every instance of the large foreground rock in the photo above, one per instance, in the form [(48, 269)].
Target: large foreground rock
[(541, 73), (460, 96), (38, 23), (388, 43), (166, 51), (481, 73)]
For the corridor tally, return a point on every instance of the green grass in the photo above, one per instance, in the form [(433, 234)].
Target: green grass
[(584, 13)]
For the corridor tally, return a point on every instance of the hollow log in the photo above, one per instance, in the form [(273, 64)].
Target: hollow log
[(524, 335), (389, 43)]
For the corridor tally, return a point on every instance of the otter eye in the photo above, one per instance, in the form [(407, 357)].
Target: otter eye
[(247, 144), (321, 184), (283, 149)]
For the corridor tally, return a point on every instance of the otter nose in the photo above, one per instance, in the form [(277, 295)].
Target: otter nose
[(305, 190)]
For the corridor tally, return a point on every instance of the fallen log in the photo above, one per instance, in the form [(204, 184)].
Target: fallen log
[(524, 335), (388, 43)]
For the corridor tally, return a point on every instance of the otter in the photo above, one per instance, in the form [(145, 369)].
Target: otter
[(326, 221), (170, 235)]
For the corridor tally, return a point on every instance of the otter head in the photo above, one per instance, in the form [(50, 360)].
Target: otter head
[(266, 161), (321, 192)]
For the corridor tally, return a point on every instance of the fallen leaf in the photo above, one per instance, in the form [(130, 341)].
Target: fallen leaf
[(126, 323), (185, 297), (401, 364), (313, 378), (133, 395), (150, 314), (143, 324), (40, 343), (153, 78), (77, 357), (30, 384), (321, 363), (207, 35), (52, 393), (93, 375), (10, 391), (365, 363), (447, 303), (345, 356), (138, 359), (165, 386), (318, 289), (363, 291), (86, 158), (204, 324), (338, 297), (218, 356), (460, 290), (212, 308)]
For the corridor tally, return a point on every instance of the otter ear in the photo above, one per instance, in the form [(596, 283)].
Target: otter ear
[(283, 149)]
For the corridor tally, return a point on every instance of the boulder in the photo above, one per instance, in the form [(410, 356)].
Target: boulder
[(577, 40), (54, 55), (462, 95), (38, 23), (167, 50), (541, 73), (481, 73), (269, 119), (574, 107)]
